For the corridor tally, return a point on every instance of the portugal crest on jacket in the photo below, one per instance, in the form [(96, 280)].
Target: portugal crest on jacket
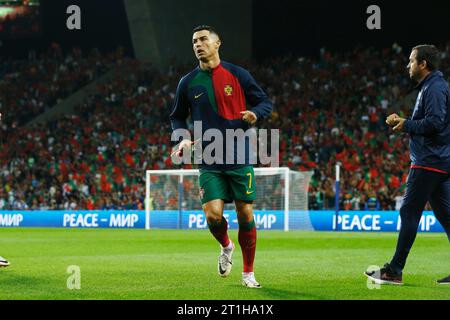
[(228, 90)]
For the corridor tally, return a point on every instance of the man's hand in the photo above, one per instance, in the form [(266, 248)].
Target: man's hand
[(391, 120), (184, 145), (399, 124), (396, 122), (249, 116)]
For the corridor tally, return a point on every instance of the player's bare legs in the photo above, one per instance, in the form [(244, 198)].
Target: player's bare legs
[(213, 211), (218, 226), (247, 241)]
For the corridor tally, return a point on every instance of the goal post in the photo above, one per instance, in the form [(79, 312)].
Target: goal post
[(173, 199)]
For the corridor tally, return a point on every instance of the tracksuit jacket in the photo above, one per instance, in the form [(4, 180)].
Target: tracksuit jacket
[(429, 126)]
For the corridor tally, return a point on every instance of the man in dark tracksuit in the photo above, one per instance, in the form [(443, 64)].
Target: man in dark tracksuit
[(429, 175)]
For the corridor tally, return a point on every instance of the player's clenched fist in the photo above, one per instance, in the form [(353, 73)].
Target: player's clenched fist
[(249, 116)]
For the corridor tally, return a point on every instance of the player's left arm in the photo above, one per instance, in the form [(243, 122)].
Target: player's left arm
[(259, 102), (435, 114)]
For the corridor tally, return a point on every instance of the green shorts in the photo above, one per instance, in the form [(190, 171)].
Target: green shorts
[(228, 185)]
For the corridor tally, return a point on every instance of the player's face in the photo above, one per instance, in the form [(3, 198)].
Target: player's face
[(205, 44), (414, 68)]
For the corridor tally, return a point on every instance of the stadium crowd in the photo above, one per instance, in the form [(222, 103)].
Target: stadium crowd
[(31, 86), (23, 21), (329, 110)]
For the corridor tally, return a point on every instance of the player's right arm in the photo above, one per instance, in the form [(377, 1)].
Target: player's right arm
[(180, 113), (180, 110)]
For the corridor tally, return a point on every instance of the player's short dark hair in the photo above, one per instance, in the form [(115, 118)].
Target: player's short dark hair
[(205, 27), (428, 53)]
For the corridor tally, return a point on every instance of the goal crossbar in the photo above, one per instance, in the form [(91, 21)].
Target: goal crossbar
[(284, 172)]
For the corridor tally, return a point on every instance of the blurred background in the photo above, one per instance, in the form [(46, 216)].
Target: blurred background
[(85, 112)]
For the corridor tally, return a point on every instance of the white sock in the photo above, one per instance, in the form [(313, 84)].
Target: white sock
[(229, 246), (248, 274)]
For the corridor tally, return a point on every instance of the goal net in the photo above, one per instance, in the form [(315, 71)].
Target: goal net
[(173, 200)]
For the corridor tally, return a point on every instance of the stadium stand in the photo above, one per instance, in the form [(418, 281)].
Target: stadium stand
[(30, 87), (330, 109)]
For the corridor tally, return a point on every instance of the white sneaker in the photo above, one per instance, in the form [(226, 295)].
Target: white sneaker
[(225, 261), (249, 281), (3, 262)]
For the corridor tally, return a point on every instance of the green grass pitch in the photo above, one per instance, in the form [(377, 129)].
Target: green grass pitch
[(182, 264)]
